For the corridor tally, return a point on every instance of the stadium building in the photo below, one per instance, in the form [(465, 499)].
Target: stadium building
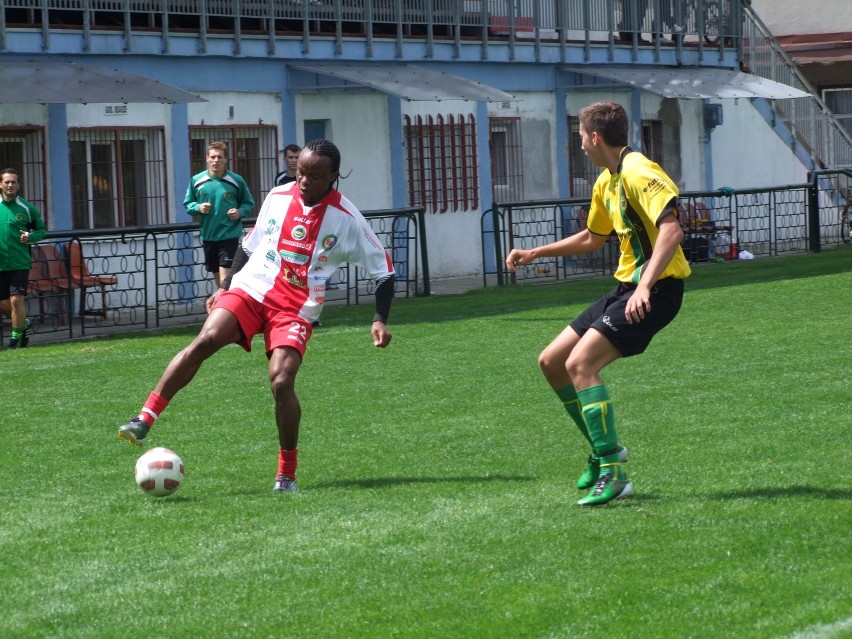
[(107, 106)]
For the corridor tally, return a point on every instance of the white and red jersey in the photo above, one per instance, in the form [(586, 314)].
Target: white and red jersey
[(294, 249)]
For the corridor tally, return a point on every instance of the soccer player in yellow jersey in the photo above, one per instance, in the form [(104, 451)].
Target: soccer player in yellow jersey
[(634, 197)]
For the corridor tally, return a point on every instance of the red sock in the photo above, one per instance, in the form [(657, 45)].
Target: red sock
[(287, 462), (155, 405)]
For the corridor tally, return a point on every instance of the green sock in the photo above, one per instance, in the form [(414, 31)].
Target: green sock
[(17, 332), (599, 416), (569, 398)]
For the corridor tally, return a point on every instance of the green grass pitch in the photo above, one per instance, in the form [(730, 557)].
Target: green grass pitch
[(437, 477)]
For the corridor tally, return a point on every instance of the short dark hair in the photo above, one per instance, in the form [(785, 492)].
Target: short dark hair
[(292, 148), (12, 171), (608, 119), (327, 149)]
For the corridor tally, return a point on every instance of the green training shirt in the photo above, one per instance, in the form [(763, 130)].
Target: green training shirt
[(227, 192), (17, 216)]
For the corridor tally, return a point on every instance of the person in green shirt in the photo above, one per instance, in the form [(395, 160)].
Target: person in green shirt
[(20, 226), (219, 199)]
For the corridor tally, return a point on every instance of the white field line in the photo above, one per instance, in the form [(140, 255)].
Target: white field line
[(824, 631)]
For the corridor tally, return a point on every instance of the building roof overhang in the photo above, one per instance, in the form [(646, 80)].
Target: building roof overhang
[(73, 83), (408, 82), (693, 82)]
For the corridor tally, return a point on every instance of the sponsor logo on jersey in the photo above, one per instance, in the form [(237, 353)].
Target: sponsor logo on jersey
[(304, 220), (228, 197), (295, 258), (654, 186), (323, 258), (308, 246), (270, 255), (270, 226), (328, 242), (320, 299), (299, 232), (290, 276)]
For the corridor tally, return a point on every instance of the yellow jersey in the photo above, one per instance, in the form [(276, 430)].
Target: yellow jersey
[(631, 202)]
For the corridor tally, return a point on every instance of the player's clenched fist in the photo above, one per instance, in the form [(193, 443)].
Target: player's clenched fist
[(518, 257)]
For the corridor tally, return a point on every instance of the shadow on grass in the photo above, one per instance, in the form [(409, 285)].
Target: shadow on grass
[(782, 491), (386, 482), (768, 493)]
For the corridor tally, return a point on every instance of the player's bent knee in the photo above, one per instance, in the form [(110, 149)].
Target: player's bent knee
[(282, 386), (548, 362)]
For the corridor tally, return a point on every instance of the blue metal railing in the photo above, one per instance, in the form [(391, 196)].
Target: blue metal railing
[(705, 23), (154, 276), (718, 226)]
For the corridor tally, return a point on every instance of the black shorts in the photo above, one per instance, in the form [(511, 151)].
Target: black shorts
[(220, 254), (607, 316), (13, 283)]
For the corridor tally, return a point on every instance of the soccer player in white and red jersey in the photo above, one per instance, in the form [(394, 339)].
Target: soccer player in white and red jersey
[(304, 232), (634, 197)]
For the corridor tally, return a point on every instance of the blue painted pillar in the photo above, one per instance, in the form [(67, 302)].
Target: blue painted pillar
[(181, 167), (635, 136), (483, 151), (397, 152), (288, 115), (563, 143), (59, 186)]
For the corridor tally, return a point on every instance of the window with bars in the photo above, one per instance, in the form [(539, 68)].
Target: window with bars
[(118, 177), (583, 172), (652, 140), (22, 149), (442, 162), (840, 103), (507, 169), (252, 154)]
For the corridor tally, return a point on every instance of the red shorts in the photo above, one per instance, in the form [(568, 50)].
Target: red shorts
[(279, 328)]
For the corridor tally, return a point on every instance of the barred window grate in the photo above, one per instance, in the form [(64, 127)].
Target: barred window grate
[(22, 149), (507, 168), (442, 162), (118, 177), (252, 154), (582, 170)]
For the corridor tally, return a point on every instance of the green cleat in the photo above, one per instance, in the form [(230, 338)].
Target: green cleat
[(608, 488), (25, 336), (591, 474), (135, 431)]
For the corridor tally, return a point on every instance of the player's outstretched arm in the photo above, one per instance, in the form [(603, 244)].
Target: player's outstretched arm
[(384, 296), (583, 242), (381, 335)]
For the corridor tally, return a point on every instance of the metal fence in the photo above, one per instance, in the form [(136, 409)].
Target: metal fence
[(153, 277), (719, 226), (812, 124), (702, 22)]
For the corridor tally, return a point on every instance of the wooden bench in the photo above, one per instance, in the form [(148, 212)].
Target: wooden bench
[(39, 285), (82, 279), (55, 271)]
